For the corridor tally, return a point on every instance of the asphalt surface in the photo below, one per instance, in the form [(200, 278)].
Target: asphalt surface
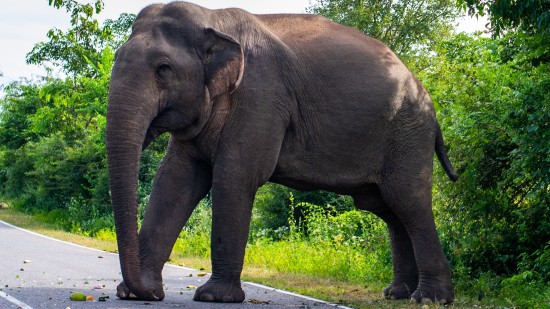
[(41, 272)]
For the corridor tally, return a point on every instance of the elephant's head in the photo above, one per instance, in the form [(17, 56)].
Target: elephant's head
[(165, 79)]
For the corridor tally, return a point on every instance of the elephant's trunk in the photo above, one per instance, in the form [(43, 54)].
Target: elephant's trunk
[(127, 123)]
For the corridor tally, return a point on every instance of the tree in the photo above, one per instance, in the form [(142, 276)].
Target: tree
[(78, 50), (495, 110), (52, 147), (52, 137), (525, 24), (404, 25), (512, 14), (20, 100)]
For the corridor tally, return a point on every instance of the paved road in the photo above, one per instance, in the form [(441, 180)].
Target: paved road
[(41, 272)]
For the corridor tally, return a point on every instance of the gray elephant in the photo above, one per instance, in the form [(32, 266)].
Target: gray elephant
[(292, 99)]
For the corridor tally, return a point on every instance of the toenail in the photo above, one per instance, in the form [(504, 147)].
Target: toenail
[(207, 297)]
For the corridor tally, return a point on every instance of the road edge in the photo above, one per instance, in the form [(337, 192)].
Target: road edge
[(324, 302)]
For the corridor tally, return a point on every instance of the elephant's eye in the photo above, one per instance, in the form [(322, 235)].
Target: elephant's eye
[(164, 71)]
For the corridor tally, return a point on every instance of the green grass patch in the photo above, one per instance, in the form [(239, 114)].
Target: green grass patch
[(325, 260), (106, 241)]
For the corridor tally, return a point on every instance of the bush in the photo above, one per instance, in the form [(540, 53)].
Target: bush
[(495, 112), (525, 290), (352, 246), (273, 207), (194, 239)]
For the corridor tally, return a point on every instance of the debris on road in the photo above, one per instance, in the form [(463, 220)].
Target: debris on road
[(78, 296), (258, 302)]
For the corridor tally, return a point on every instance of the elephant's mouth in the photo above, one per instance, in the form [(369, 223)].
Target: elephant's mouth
[(162, 123), (168, 123), (152, 133)]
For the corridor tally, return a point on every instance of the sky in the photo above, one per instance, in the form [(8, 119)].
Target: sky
[(23, 23)]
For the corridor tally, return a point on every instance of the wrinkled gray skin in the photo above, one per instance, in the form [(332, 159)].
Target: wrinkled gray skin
[(293, 99)]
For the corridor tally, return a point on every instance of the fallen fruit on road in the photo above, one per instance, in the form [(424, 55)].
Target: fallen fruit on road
[(78, 296), (89, 297), (201, 274)]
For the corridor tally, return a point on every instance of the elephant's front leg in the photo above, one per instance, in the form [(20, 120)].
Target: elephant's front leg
[(179, 185), (246, 157), (231, 213)]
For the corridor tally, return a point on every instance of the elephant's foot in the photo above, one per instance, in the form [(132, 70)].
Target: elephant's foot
[(220, 290), (400, 290), (441, 294), (123, 292)]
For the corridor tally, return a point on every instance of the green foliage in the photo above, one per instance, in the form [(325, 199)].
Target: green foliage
[(524, 24), (21, 99), (52, 153), (324, 241), (150, 160), (495, 111), (352, 246), (78, 50), (524, 290), (273, 207), (512, 14), (194, 239), (405, 26)]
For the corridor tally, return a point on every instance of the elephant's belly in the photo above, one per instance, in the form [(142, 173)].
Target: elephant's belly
[(337, 171), (342, 147)]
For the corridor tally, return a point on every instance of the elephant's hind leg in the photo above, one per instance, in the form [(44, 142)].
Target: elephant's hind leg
[(409, 198), (405, 272)]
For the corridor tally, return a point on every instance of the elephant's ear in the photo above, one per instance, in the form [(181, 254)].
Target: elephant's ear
[(224, 63)]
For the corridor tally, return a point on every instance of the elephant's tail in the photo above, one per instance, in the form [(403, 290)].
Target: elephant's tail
[(441, 153)]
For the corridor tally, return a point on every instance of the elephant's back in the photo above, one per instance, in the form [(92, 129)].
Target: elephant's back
[(313, 34), (339, 57)]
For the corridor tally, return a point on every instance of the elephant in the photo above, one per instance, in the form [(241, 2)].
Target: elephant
[(294, 99)]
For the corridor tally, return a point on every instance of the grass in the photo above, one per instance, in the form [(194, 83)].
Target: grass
[(290, 265), (51, 230)]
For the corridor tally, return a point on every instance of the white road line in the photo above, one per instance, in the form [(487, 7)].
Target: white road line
[(297, 295), (15, 301)]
